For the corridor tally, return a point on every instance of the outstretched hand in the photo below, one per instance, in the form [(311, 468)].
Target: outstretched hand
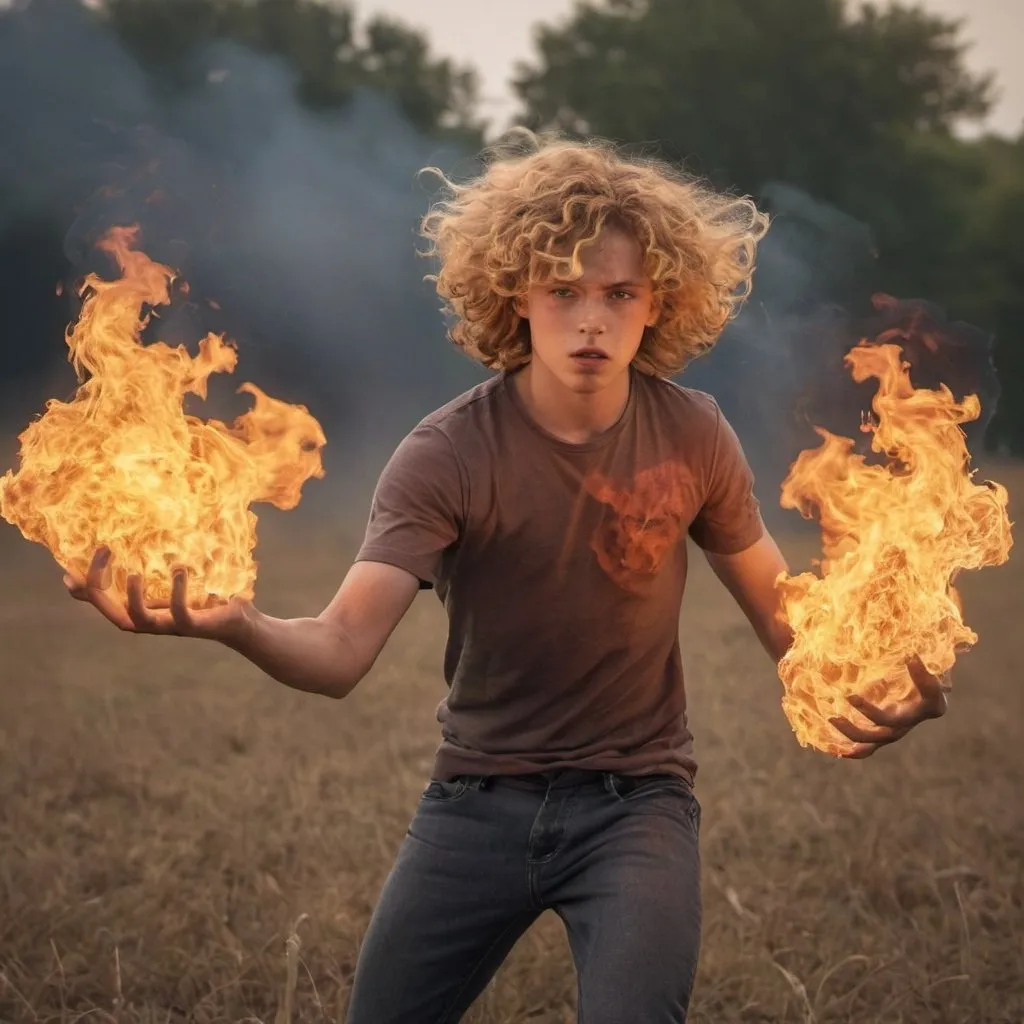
[(225, 622), (928, 701)]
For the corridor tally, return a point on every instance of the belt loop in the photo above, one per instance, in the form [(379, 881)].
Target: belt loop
[(608, 778)]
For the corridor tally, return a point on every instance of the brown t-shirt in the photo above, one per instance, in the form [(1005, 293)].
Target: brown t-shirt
[(562, 568)]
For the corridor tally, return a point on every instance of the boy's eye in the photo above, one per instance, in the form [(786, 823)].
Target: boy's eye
[(619, 294), (561, 293)]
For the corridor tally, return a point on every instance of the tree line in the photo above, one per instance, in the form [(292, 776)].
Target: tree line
[(861, 108)]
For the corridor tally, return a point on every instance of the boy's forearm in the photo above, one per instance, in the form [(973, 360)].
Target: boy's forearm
[(762, 608), (306, 654), (776, 636), (751, 577)]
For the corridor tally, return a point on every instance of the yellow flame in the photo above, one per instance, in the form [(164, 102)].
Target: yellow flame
[(895, 536), (121, 463)]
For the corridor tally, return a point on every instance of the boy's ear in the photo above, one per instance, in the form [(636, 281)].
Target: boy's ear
[(522, 306), (655, 314)]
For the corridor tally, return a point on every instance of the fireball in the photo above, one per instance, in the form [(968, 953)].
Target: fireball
[(122, 465), (895, 535)]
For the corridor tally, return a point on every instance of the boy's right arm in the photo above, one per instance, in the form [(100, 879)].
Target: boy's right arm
[(417, 513), (328, 654), (331, 653)]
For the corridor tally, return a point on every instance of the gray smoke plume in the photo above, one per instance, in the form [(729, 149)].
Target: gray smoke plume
[(784, 351), (778, 370), (296, 232)]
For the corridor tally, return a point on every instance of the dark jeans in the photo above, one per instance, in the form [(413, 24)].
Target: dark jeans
[(614, 856)]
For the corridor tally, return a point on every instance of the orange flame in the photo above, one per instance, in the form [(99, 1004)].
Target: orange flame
[(895, 536), (121, 464)]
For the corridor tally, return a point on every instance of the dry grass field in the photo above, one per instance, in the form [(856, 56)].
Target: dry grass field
[(170, 820)]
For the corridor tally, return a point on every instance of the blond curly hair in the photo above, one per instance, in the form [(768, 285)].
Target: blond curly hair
[(539, 200)]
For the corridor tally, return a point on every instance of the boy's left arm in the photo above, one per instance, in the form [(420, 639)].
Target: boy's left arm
[(750, 577)]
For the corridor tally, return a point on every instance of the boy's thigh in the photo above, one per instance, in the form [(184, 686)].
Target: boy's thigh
[(633, 911), (452, 907)]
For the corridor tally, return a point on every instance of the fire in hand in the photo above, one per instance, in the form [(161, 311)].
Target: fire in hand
[(894, 538), (122, 466)]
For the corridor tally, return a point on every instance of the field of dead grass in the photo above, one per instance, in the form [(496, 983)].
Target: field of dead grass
[(170, 820)]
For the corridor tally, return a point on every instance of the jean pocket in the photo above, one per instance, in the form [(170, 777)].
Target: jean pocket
[(439, 791), (638, 790), (636, 787)]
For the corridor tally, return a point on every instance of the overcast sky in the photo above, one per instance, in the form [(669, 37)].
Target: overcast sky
[(493, 34)]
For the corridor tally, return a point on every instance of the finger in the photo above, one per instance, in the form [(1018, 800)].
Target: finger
[(860, 751), (98, 577), (142, 617), (858, 734), (922, 677), (179, 600), (75, 584), (931, 687), (91, 588), (107, 607), (77, 581), (903, 717)]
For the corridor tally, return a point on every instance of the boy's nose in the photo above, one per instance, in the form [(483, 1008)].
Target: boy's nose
[(591, 321)]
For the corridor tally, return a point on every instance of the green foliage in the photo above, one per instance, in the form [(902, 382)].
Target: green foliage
[(992, 286), (856, 107), (859, 106), (751, 91), (319, 41)]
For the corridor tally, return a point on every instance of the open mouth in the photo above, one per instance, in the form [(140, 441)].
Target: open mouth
[(589, 354)]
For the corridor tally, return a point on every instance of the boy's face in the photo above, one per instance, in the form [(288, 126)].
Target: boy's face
[(586, 332)]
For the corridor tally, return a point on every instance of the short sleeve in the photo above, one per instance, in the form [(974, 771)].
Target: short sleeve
[(729, 520), (417, 508)]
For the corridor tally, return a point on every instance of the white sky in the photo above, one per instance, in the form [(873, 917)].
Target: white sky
[(492, 34)]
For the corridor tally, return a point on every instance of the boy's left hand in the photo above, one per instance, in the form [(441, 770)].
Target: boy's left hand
[(894, 723)]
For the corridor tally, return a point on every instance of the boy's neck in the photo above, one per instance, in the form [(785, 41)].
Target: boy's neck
[(570, 415)]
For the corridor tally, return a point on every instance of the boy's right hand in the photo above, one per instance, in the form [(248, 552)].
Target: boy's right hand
[(227, 622)]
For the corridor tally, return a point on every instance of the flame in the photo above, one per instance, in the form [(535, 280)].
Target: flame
[(895, 536), (122, 465)]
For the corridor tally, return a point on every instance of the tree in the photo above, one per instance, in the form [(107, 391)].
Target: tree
[(121, 117), (858, 108), (856, 111), (319, 41), (990, 288), (749, 91)]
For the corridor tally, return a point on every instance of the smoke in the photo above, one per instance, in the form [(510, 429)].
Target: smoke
[(783, 354), (778, 370), (296, 232)]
